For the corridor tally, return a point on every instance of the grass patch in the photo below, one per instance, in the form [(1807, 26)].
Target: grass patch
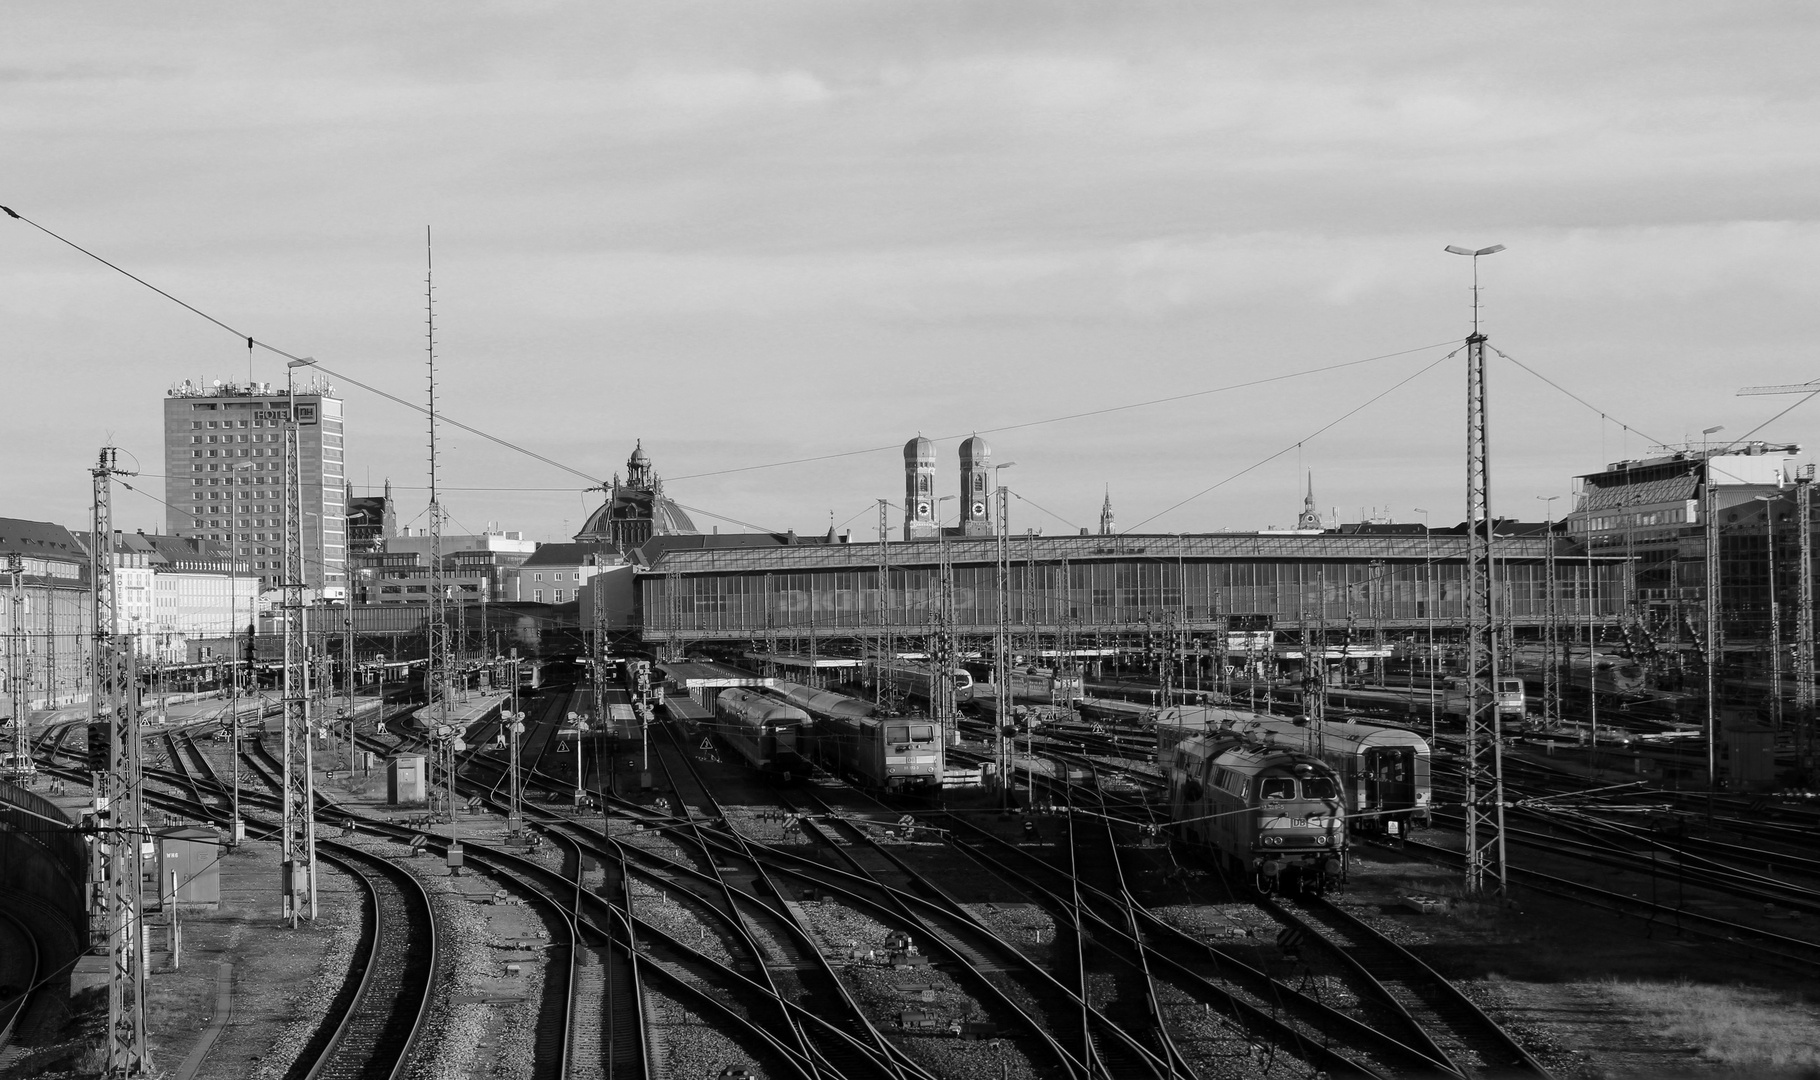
[(1733, 1025)]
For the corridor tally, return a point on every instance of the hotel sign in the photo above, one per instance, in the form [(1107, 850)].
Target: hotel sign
[(306, 414)]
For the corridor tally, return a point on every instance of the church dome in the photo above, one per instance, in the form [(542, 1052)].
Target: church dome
[(919, 451), (975, 451)]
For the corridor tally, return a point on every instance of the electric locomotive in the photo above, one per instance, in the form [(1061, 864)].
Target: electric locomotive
[(1272, 814), (1383, 771), (763, 731), (897, 753)]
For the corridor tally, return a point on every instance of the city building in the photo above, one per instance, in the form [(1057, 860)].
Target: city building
[(1087, 587), (475, 568), (372, 520), (224, 472), (634, 511), (557, 573), (135, 600), (203, 595), (1651, 512), (173, 591), (53, 629)]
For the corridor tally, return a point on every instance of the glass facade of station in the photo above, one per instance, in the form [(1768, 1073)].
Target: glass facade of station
[(1050, 588)]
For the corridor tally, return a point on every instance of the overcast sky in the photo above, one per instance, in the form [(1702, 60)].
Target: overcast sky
[(756, 232)]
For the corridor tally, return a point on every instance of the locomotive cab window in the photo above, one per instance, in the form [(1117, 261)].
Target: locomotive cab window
[(897, 733), (1276, 787), (922, 733), (1318, 787)]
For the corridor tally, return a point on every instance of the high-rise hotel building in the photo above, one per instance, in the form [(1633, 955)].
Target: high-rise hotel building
[(224, 475)]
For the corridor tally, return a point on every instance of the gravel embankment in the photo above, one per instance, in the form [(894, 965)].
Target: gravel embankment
[(310, 1005)]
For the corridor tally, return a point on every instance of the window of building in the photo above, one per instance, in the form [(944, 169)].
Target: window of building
[(195, 423), (559, 596), (539, 595), (540, 577)]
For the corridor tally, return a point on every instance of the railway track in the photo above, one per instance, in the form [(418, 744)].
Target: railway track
[(1410, 1049), (776, 937), (1435, 1016), (374, 1023), (19, 974)]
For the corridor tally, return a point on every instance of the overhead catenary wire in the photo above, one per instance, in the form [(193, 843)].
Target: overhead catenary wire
[(1317, 432), (252, 341), (593, 480), (1076, 415), (1603, 415)]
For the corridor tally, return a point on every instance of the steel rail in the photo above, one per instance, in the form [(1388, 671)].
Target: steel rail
[(11, 1011), (889, 1058)]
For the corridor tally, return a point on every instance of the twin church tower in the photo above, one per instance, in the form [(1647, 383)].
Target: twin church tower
[(922, 515)]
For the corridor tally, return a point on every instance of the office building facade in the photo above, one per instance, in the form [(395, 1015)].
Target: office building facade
[(224, 475)]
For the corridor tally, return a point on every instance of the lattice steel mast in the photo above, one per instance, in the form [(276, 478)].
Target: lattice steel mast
[(1001, 639), (437, 668), (114, 716), (886, 647), (298, 829), (17, 681), (1484, 764), (1804, 623)]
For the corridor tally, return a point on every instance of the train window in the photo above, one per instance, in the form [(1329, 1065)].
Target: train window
[(897, 733), (922, 733), (1318, 787), (1277, 787)]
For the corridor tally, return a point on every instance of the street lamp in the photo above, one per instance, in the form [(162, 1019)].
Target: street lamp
[(514, 720), (1706, 442), (1474, 254), (1002, 633), (1551, 686), (1775, 611), (1710, 511), (1428, 541), (237, 825)]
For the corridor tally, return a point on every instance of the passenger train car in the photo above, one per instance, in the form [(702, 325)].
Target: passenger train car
[(895, 753), (916, 681), (1383, 771), (1038, 684), (1261, 810), (764, 732), (823, 704)]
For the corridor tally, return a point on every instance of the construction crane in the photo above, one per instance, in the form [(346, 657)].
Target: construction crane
[(1784, 388)]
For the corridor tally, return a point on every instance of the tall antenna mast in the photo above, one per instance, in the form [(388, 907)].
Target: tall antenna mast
[(1485, 867), (437, 672)]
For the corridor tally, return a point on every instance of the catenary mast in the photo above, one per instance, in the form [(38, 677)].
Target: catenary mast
[(1484, 764)]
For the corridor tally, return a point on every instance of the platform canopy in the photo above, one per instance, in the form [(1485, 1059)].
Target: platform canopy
[(705, 676), (795, 660)]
